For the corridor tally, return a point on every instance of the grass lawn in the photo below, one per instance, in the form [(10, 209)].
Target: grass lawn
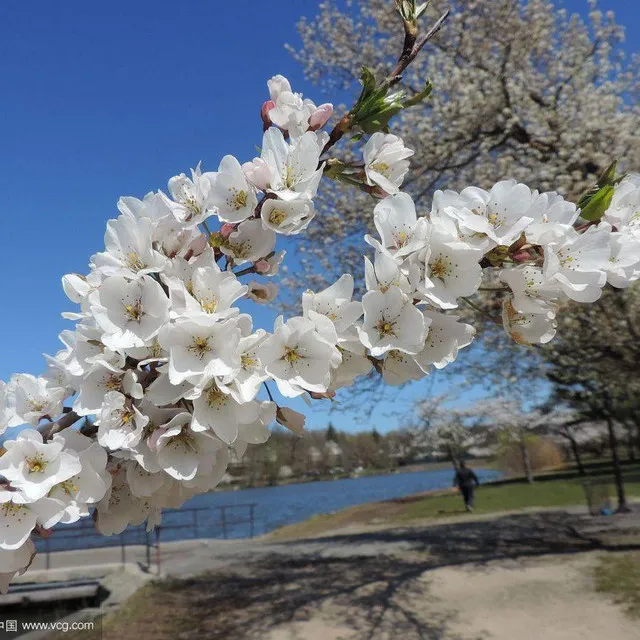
[(557, 489), (619, 576)]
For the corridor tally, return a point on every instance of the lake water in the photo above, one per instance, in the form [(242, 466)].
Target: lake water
[(274, 507), (286, 504)]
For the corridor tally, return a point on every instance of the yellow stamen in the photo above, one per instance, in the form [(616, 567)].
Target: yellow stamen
[(381, 167), (134, 311), (239, 200), (291, 355), (215, 397), (385, 328), (209, 304), (134, 262), (277, 217), (200, 346), (36, 464)]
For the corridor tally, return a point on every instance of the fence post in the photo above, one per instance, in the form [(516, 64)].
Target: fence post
[(158, 557), (148, 550), (223, 519), (251, 506), (122, 552)]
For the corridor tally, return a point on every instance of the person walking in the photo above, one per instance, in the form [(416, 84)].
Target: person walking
[(466, 481)]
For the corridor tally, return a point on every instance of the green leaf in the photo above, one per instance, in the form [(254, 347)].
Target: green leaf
[(596, 200), (368, 82), (420, 96), (597, 204)]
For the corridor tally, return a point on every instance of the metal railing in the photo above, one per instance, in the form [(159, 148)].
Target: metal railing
[(177, 524)]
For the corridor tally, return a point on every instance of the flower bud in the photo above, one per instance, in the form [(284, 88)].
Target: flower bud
[(262, 266), (291, 419), (320, 116), (277, 85), (521, 256), (264, 113), (262, 293), (227, 229)]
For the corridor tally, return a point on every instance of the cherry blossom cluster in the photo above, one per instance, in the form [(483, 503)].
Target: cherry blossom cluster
[(167, 371)]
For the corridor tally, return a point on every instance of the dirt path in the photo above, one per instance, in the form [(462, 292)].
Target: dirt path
[(547, 598)]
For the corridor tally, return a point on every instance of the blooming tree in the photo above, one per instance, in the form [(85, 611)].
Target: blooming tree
[(440, 431), (168, 370), (547, 98)]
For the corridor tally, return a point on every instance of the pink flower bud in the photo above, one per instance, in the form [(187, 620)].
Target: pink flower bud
[(264, 113), (227, 229), (521, 256), (320, 116), (262, 266)]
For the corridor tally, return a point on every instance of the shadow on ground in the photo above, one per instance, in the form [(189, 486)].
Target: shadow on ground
[(374, 585)]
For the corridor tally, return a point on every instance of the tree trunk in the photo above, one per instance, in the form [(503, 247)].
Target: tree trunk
[(576, 455), (623, 507), (631, 446), (526, 460)]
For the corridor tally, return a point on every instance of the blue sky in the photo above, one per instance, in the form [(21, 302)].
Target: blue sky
[(108, 99)]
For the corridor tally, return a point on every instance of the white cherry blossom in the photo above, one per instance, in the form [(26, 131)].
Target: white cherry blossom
[(181, 451), (19, 517), (335, 303), (391, 321), (129, 312), (401, 231), (451, 269), (624, 208), (121, 425), (445, 336), (287, 216), (32, 398), (399, 367), (209, 291), (623, 267), (230, 193), (251, 241), (290, 111), (129, 250), (532, 291), (190, 197), (528, 328), (34, 466), (218, 411), (201, 348), (578, 262), (293, 166), (501, 214), (15, 562), (298, 358), (385, 161)]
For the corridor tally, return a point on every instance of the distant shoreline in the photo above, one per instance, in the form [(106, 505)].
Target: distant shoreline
[(417, 467)]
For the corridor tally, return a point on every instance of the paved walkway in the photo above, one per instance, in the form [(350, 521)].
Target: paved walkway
[(527, 576), (467, 537)]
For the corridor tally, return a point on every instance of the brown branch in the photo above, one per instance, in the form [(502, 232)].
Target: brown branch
[(407, 58), (63, 423), (410, 50)]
